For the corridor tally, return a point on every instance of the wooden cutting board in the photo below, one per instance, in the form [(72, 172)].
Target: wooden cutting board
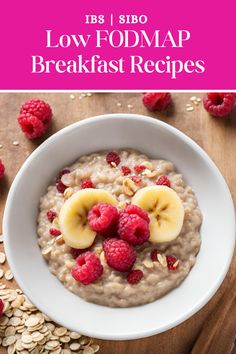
[(216, 136)]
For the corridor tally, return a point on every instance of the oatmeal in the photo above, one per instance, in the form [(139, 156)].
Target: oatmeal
[(148, 212)]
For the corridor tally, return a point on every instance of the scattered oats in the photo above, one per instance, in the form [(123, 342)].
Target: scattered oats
[(95, 347), (198, 99), (119, 104), (19, 346), (193, 98), (188, 105), (15, 143), (75, 335), (148, 263), (32, 321), (11, 349), (88, 350), (64, 339), (1, 146), (72, 97), (189, 109), (10, 331), (14, 321), (196, 103), (9, 275), (2, 258), (1, 272), (66, 351), (9, 341), (113, 164), (60, 331), (53, 344), (130, 106), (74, 346), (89, 94), (1, 238), (27, 339)]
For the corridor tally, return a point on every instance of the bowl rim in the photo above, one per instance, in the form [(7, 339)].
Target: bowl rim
[(87, 121)]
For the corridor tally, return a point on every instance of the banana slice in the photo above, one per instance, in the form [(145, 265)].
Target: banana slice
[(165, 210), (73, 216)]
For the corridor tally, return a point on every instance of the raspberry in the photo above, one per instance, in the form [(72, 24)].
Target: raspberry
[(172, 262), (135, 276), (103, 218), (31, 125), (88, 268), (139, 168), (39, 109), (1, 307), (51, 214), (119, 254), (87, 183), (136, 179), (219, 104), (134, 209), (2, 169), (156, 100), (133, 228), (154, 254), (59, 184), (54, 232), (113, 159), (125, 170), (163, 181)]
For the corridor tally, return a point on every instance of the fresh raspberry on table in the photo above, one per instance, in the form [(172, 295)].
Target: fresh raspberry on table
[(133, 228), (156, 101), (135, 276), (219, 104), (172, 262), (153, 254), (125, 170), (163, 181), (51, 215), (87, 183), (1, 307), (2, 169), (87, 269), (139, 168), (54, 232), (31, 125), (113, 159), (103, 218), (134, 209), (39, 109), (119, 254), (35, 117), (61, 187)]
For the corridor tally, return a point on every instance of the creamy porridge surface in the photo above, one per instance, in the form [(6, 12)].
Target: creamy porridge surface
[(112, 288)]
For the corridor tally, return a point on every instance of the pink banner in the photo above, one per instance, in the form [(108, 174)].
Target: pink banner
[(126, 45)]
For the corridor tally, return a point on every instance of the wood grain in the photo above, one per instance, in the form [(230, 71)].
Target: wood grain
[(216, 136)]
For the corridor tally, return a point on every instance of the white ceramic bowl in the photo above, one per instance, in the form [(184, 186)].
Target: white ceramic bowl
[(156, 139)]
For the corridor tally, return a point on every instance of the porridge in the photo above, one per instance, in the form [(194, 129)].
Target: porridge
[(119, 229)]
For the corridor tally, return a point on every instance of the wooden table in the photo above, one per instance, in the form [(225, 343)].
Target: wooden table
[(216, 136)]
